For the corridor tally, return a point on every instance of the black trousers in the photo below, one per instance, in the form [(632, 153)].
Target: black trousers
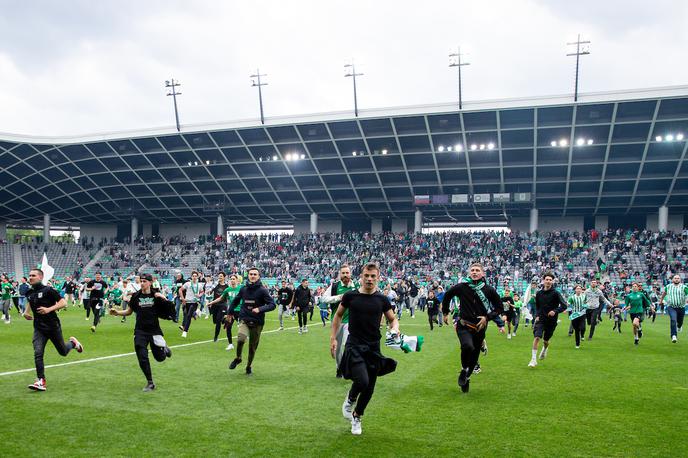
[(303, 316), (189, 313), (141, 342), (40, 339), (364, 378), (432, 318), (95, 303), (591, 316), (471, 343), (219, 313), (87, 307), (579, 328)]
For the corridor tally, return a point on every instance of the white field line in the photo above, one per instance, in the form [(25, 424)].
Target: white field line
[(101, 358)]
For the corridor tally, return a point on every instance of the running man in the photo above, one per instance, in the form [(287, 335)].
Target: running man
[(302, 300), (149, 305), (509, 310), (44, 301), (5, 297), (577, 316), (593, 297), (674, 296), (548, 305), (478, 304), (433, 308), (97, 289), (221, 311), (189, 293), (285, 299), (333, 296), (254, 300), (636, 302), (362, 362)]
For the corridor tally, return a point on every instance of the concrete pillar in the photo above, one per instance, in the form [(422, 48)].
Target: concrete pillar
[(376, 226), (46, 228), (663, 219), (134, 228), (314, 223), (220, 226), (418, 222), (533, 219), (3, 231)]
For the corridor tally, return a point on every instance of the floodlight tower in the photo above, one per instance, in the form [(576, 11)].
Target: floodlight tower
[(455, 60), (256, 82), (580, 51), (172, 84), (350, 70)]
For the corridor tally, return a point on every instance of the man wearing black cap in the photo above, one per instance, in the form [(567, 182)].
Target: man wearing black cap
[(149, 305)]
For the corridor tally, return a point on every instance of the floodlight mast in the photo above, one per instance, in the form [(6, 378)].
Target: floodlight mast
[(351, 72), (578, 53), (256, 82), (172, 84), (455, 60)]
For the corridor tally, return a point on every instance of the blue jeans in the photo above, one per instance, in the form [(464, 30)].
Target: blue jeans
[(177, 306), (676, 316), (22, 303)]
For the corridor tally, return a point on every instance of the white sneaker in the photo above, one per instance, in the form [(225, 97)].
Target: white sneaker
[(513, 334), (305, 329), (356, 426), (508, 336), (577, 346), (206, 317), (229, 347), (543, 354), (281, 328), (347, 409), (532, 363), (300, 330), (673, 339), (184, 334), (87, 318)]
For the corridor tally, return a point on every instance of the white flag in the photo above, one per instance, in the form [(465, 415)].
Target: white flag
[(47, 270)]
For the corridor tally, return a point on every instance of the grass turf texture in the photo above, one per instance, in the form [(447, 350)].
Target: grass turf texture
[(608, 398)]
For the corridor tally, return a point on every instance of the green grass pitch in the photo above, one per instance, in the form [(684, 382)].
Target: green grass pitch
[(608, 398)]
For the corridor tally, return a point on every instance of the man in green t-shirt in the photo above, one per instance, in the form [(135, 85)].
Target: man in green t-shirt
[(5, 297), (220, 306), (333, 297), (636, 302)]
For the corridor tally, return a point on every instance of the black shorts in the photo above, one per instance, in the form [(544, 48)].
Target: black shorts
[(509, 314), (639, 316), (544, 329)]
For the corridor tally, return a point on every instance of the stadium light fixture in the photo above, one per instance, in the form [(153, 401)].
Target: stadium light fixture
[(563, 142), (173, 85), (384, 151), (303, 156), (458, 147), (350, 72), (580, 51), (456, 61), (669, 138), (256, 82), (449, 148), (482, 146), (490, 146), (658, 138), (274, 158), (580, 142), (354, 153), (288, 157), (474, 147), (590, 141), (553, 143), (679, 137), (441, 148)]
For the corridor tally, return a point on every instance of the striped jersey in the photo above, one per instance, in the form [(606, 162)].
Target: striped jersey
[(576, 306), (676, 295)]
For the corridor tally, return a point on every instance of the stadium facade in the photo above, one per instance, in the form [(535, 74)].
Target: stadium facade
[(609, 160)]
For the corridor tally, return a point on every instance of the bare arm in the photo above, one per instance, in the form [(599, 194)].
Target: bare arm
[(126, 312), (336, 323), (393, 321)]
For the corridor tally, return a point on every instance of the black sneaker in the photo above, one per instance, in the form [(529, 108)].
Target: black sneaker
[(235, 362), (249, 371), (463, 382), (636, 341), (149, 387), (168, 352), (640, 333), (339, 373), (477, 369)]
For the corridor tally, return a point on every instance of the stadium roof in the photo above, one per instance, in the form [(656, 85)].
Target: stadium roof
[(610, 153)]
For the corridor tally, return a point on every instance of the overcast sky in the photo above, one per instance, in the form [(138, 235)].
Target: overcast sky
[(73, 67)]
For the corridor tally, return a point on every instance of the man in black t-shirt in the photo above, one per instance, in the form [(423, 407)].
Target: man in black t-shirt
[(44, 301), (97, 287), (149, 305), (362, 361), (285, 298), (433, 308), (69, 286)]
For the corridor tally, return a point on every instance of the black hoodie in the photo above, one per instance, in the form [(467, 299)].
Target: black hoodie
[(250, 296)]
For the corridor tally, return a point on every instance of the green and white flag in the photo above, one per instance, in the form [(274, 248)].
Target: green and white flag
[(48, 271)]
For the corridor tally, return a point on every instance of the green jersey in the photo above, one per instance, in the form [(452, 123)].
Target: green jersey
[(675, 295), (576, 306), (6, 289), (230, 293), (116, 295), (518, 305), (341, 289), (637, 301)]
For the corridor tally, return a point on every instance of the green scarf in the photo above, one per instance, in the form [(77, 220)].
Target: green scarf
[(478, 288)]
